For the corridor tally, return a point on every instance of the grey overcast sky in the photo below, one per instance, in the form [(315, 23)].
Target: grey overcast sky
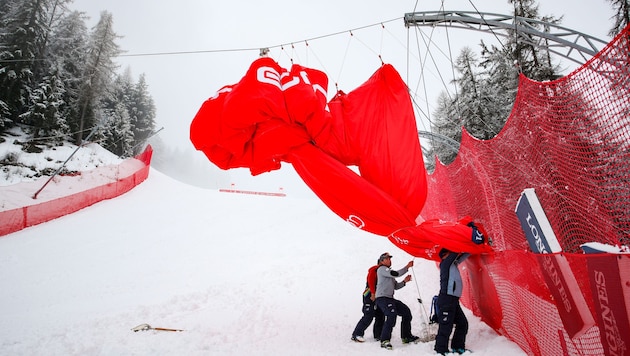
[(179, 83)]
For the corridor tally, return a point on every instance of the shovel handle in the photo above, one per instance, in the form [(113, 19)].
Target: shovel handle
[(143, 327), (166, 329)]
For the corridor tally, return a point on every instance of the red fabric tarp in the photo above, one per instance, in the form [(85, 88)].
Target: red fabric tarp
[(274, 115)]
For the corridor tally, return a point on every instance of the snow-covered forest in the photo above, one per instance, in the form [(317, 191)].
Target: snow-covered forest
[(60, 80), (487, 80), (487, 83)]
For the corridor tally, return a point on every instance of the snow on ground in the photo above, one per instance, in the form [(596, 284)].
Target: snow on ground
[(19, 166), (22, 175), (241, 274)]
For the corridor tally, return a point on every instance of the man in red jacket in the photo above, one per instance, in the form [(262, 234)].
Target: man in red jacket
[(370, 311)]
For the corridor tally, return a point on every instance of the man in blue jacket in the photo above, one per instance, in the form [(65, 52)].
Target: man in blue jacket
[(370, 311), (450, 312), (385, 286)]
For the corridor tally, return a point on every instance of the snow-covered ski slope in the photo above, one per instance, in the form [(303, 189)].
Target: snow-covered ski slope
[(241, 274)]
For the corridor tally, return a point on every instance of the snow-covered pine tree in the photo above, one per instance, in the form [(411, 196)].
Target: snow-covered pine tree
[(68, 52), (530, 55), (116, 133), (473, 96), (622, 16), (43, 65), (500, 84), (142, 113), (24, 29), (44, 112), (487, 87), (99, 73), (445, 123)]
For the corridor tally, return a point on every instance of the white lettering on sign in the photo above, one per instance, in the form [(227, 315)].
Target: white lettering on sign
[(554, 274), (284, 81), (400, 240), (304, 77), (616, 346), (290, 83), (268, 75), (539, 243)]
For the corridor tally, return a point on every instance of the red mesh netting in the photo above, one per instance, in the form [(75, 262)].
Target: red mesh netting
[(128, 174), (568, 139)]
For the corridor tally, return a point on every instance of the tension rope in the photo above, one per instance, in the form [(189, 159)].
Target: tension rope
[(427, 335)]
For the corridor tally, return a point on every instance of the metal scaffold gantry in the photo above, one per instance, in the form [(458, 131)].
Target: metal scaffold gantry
[(572, 45)]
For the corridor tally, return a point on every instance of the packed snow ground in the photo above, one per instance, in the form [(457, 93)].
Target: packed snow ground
[(240, 274)]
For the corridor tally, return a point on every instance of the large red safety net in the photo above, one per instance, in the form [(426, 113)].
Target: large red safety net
[(568, 139)]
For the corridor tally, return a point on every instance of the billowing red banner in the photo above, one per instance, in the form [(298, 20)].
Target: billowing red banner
[(274, 115)]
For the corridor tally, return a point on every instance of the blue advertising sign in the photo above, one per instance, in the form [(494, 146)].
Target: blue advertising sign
[(535, 225)]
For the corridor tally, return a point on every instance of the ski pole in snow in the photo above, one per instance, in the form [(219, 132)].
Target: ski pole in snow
[(144, 327)]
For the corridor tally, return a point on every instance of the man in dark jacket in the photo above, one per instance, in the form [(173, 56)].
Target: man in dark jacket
[(450, 312), (370, 311)]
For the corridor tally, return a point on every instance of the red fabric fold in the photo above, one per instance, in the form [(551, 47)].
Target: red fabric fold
[(274, 115)]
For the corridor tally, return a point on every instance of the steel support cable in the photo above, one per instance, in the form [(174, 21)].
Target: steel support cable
[(422, 69), (245, 49), (487, 24), (380, 50), (429, 54), (422, 80), (433, 60), (450, 56), (294, 53), (343, 61), (415, 7), (309, 48), (428, 43), (353, 36), (368, 47), (70, 134)]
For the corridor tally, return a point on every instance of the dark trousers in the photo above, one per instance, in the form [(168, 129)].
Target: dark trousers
[(450, 314), (391, 308), (370, 312)]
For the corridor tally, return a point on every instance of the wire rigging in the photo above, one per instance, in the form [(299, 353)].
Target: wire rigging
[(450, 57), (487, 24), (64, 136), (246, 49), (343, 61), (223, 50), (425, 54)]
